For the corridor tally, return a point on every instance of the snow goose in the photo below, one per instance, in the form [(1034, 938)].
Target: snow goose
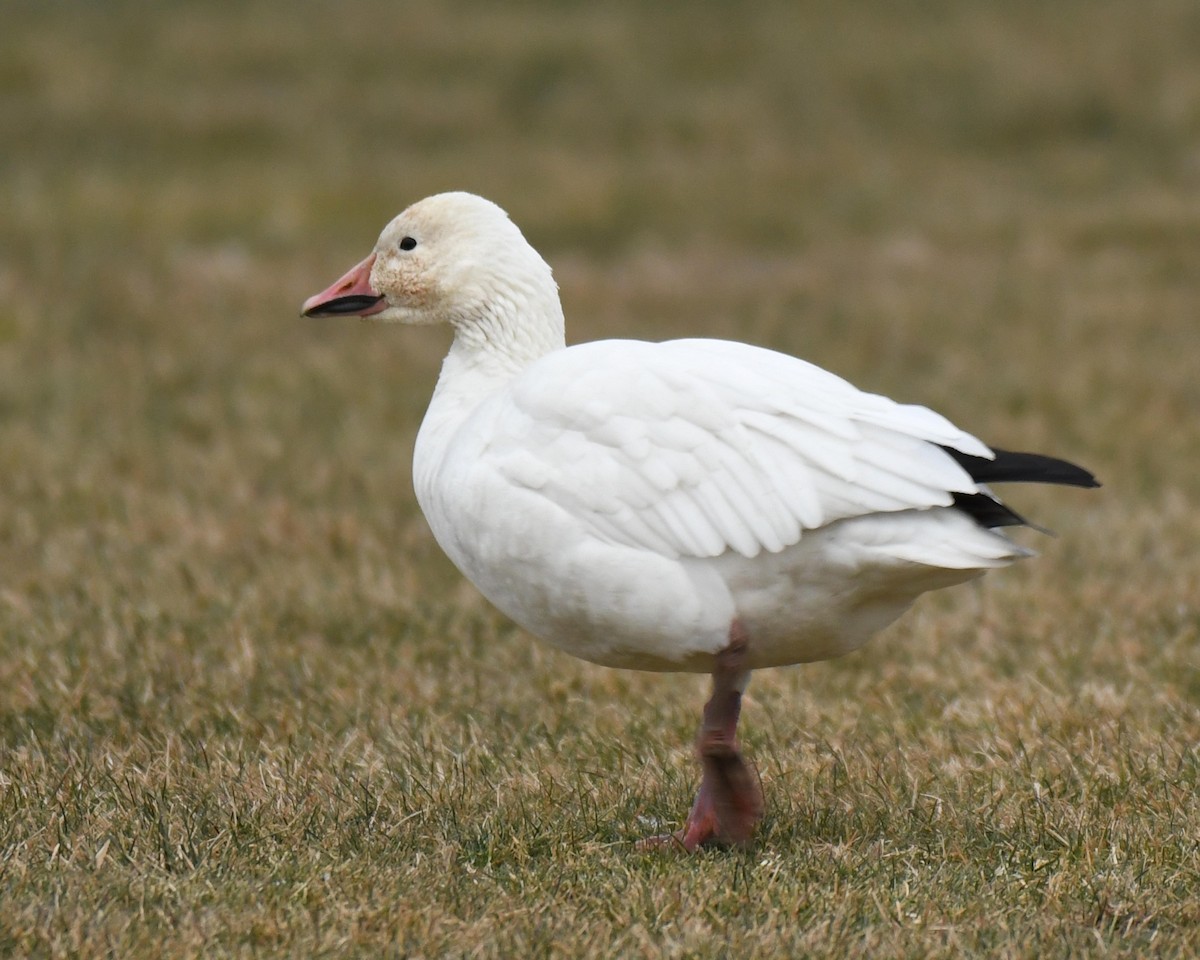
[(694, 505)]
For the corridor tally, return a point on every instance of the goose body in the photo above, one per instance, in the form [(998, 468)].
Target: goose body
[(692, 505), (625, 501)]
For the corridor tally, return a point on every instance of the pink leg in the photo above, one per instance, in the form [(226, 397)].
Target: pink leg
[(730, 803)]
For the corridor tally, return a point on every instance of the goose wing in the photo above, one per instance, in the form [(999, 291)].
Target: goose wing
[(692, 448)]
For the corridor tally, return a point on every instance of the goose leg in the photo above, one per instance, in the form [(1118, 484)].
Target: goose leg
[(729, 803)]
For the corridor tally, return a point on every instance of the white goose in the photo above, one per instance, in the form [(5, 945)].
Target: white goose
[(695, 505)]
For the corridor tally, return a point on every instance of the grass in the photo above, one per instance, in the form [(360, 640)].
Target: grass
[(247, 709)]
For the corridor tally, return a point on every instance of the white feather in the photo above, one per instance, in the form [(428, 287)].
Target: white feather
[(758, 446)]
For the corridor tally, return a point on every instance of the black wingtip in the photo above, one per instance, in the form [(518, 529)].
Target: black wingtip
[(1016, 467), (1012, 467), (988, 511)]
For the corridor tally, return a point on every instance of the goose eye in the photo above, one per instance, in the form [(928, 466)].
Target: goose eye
[(407, 243)]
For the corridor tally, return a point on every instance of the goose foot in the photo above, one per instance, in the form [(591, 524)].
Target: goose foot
[(729, 804)]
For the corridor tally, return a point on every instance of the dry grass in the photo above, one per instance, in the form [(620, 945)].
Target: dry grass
[(245, 706)]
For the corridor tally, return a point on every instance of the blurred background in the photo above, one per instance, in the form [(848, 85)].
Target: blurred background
[(206, 517), (990, 209)]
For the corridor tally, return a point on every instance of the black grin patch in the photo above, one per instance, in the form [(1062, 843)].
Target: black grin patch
[(343, 305)]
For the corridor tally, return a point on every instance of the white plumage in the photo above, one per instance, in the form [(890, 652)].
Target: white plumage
[(622, 500), (654, 505)]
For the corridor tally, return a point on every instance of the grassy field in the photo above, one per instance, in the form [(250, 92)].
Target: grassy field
[(246, 707)]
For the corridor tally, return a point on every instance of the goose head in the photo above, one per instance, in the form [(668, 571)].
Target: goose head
[(451, 258)]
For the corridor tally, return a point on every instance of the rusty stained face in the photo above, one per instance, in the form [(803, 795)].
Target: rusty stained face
[(453, 258)]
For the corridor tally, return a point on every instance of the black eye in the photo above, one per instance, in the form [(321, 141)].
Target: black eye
[(407, 243)]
